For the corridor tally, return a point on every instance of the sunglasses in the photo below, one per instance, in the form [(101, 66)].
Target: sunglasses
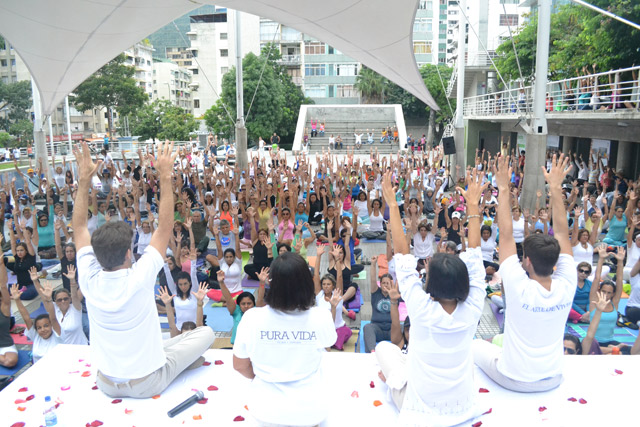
[(570, 350), (584, 271), (63, 299)]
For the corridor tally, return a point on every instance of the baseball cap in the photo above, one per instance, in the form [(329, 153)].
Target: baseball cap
[(30, 170), (444, 200), (455, 215)]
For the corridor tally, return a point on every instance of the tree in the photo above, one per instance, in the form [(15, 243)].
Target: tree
[(112, 86), (275, 106), (162, 120), (371, 85), (15, 101), (5, 139)]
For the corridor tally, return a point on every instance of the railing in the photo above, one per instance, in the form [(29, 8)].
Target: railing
[(290, 59), (453, 79), (611, 91), (479, 59)]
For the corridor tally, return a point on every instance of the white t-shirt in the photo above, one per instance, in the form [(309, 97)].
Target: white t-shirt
[(518, 229), (323, 303), (375, 221), (363, 210), (185, 310), (534, 329), (232, 275), (488, 246), (440, 385), (59, 179), (143, 241), (71, 326), (634, 297), (286, 353), (40, 345), (126, 342), (581, 254), (423, 248)]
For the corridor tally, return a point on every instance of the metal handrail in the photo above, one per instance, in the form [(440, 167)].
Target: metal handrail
[(602, 92)]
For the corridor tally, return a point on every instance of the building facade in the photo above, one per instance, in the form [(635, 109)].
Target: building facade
[(140, 56), (173, 83)]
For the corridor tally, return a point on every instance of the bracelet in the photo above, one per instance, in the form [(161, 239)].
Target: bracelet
[(394, 303), (49, 300), (473, 216), (200, 304)]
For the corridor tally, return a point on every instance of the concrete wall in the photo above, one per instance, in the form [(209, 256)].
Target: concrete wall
[(490, 132)]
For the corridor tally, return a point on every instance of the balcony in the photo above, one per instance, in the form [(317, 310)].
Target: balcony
[(290, 60)]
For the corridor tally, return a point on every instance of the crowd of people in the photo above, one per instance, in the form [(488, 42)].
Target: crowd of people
[(449, 244)]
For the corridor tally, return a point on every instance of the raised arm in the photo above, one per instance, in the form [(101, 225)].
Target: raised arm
[(46, 292), (560, 167), (200, 295), (166, 299), (396, 328), (316, 269), (5, 303), (502, 172), (619, 256), (15, 296), (231, 303), (86, 170), (164, 165), (373, 280)]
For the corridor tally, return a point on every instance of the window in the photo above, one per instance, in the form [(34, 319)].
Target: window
[(290, 34), (196, 103), (215, 17), (346, 69), (509, 1), (315, 91), (509, 20), (422, 25), (346, 91), (315, 69), (425, 5), (194, 71), (422, 47), (315, 48), (224, 53), (3, 62), (224, 70), (268, 30), (13, 62), (223, 36)]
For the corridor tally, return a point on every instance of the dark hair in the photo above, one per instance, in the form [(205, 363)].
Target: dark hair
[(386, 276), (376, 200), (229, 251), (187, 326), (244, 295), (575, 340), (186, 276), (291, 284), (111, 242), (22, 245), (58, 292), (448, 278), (39, 318), (607, 282), (543, 252), (283, 245), (581, 232), (485, 228), (585, 264)]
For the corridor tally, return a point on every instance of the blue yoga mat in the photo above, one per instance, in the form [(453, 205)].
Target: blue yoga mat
[(361, 336), (218, 318), (40, 310), (23, 359)]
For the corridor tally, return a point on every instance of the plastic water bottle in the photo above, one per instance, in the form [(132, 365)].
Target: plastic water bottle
[(50, 418)]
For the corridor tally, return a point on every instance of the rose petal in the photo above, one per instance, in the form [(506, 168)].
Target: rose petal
[(205, 363), (377, 403), (23, 389), (197, 417), (203, 400), (88, 365), (95, 423), (18, 401), (542, 408), (238, 418), (114, 401), (212, 388), (572, 399), (483, 390), (21, 408), (65, 387), (128, 411), (86, 374), (488, 412), (18, 424), (95, 387), (582, 401), (80, 360), (157, 396), (219, 362), (31, 397), (478, 424), (618, 371), (246, 407), (372, 384), (355, 394), (74, 372)]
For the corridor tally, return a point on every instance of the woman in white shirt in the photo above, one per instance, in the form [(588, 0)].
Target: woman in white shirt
[(423, 240), (582, 242), (185, 304), (231, 263), (363, 208), (376, 221), (280, 347), (518, 228), (488, 246), (329, 296)]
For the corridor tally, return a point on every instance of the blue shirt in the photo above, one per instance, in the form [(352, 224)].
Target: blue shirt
[(581, 298), (351, 248)]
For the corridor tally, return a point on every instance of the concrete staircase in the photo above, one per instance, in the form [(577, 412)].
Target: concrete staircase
[(346, 130)]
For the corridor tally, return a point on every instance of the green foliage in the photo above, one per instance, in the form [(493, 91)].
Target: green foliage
[(275, 106), (15, 101), (579, 37), (162, 120), (371, 85), (23, 129), (112, 86), (5, 139)]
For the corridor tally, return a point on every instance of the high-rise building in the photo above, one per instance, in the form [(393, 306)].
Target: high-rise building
[(173, 83), (140, 56)]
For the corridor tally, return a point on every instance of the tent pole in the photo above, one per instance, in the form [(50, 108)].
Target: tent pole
[(66, 105), (241, 131)]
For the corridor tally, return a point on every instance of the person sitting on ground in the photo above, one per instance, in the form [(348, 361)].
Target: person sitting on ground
[(424, 237), (280, 346), (44, 331), (581, 299), (589, 345), (8, 350), (230, 262), (440, 388), (376, 221), (379, 329), (24, 258), (184, 305), (328, 291), (245, 301), (535, 294), (127, 350), (167, 299), (632, 311)]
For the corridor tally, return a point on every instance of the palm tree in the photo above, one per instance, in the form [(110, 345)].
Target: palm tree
[(371, 86)]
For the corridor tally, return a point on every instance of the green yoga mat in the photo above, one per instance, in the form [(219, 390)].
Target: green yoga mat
[(246, 256), (361, 276)]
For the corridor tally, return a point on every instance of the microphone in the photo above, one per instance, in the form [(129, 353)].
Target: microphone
[(186, 404)]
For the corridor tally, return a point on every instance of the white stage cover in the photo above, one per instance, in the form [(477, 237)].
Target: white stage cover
[(67, 376)]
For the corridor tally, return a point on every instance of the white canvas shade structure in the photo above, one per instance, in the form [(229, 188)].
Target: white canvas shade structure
[(63, 42)]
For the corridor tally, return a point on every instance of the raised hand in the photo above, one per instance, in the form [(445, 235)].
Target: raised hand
[(602, 302), (15, 292), (33, 273), (320, 250), (335, 251), (164, 159), (502, 171), (188, 223), (47, 290), (393, 291), (216, 230), (560, 167), (387, 190), (602, 251), (220, 276), (202, 292), (620, 254), (71, 272), (263, 276), (475, 188), (336, 296), (164, 296), (86, 166)]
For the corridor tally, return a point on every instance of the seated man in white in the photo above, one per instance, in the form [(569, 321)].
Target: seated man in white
[(538, 298), (126, 343)]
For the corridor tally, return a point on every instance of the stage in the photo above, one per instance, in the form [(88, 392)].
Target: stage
[(601, 395)]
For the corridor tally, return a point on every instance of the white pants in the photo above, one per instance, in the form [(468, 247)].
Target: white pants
[(392, 362)]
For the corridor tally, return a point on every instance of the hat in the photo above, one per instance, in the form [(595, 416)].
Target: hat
[(455, 215), (444, 200), (30, 170), (105, 171), (429, 189), (24, 197)]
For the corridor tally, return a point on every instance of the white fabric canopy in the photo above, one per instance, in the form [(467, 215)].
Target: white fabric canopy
[(63, 42)]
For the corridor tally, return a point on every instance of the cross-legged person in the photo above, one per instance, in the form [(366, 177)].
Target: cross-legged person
[(126, 343), (539, 298)]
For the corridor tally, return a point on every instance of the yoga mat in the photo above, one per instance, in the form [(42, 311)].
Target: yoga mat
[(23, 358), (623, 335), (21, 338), (374, 240), (38, 311), (361, 276), (350, 345), (246, 256), (499, 316), (248, 283), (361, 336), (218, 318), (164, 322)]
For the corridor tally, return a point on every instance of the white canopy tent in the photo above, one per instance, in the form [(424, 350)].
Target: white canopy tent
[(63, 42)]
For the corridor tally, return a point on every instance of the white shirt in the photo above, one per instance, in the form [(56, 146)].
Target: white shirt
[(59, 179), (534, 329), (440, 387), (326, 305), (126, 342), (286, 352), (143, 241), (185, 310), (581, 254), (488, 246), (71, 326), (232, 275), (375, 221), (423, 249), (518, 229), (40, 345), (634, 297)]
